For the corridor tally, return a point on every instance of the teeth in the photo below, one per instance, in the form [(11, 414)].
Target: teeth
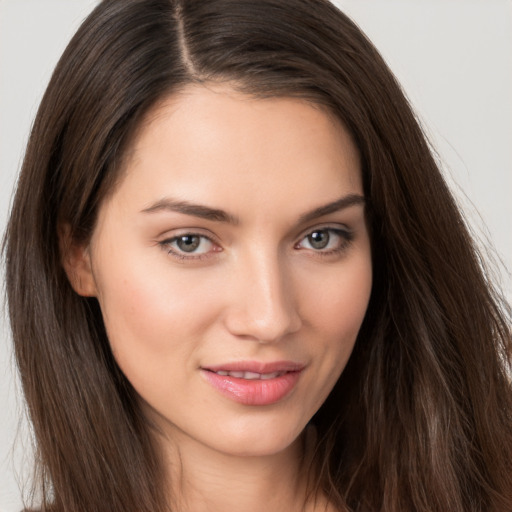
[(266, 376), (250, 375)]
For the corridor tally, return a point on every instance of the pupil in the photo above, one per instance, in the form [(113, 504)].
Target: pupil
[(319, 239), (188, 243)]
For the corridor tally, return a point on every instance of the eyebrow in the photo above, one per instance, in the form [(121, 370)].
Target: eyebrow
[(195, 210), (334, 206), (217, 215)]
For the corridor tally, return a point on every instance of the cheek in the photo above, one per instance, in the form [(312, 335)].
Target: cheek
[(333, 314), (339, 308), (149, 313)]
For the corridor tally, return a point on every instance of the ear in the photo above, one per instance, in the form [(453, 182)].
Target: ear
[(76, 260)]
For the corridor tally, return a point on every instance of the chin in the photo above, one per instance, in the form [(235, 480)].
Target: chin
[(257, 441)]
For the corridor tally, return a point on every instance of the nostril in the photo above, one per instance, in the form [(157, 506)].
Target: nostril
[(263, 328), (263, 305)]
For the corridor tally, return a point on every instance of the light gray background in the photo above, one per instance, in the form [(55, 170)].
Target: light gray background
[(453, 58)]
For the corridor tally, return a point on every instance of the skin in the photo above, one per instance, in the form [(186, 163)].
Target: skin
[(255, 289)]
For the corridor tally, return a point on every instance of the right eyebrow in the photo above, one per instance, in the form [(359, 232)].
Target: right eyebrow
[(193, 209)]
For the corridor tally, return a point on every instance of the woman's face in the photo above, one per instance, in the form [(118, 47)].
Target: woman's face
[(232, 266)]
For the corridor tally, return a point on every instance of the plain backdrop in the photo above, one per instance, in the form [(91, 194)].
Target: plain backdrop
[(453, 58)]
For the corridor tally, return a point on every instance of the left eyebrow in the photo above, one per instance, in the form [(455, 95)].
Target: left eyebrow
[(334, 206)]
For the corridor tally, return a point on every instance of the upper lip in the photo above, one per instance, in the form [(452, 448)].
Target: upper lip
[(256, 366)]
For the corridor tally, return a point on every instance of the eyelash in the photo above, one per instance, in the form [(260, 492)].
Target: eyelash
[(182, 255), (346, 237)]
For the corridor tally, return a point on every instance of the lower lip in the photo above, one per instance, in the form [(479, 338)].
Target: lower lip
[(253, 392)]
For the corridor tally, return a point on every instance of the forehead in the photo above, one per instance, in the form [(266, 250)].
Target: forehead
[(213, 139)]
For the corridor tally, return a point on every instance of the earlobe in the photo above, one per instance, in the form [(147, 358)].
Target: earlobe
[(76, 260)]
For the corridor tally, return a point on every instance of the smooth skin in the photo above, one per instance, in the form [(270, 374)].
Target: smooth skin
[(237, 233)]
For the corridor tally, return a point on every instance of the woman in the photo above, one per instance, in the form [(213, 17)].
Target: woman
[(236, 276)]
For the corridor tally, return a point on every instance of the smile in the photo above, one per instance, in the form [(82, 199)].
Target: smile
[(242, 383), (250, 375)]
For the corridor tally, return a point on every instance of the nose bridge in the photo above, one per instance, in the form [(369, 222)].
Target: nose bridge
[(264, 305)]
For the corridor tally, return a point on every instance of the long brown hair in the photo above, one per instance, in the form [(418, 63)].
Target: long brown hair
[(421, 418)]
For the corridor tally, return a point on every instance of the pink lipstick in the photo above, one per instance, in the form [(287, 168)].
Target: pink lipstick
[(254, 383)]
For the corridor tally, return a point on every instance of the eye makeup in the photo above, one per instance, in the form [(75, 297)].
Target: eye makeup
[(326, 241), (322, 241)]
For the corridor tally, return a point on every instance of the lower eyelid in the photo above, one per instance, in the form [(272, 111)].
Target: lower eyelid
[(168, 246), (346, 237)]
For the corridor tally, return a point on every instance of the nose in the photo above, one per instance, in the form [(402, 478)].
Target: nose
[(263, 303)]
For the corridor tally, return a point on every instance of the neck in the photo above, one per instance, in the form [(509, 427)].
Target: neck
[(203, 479)]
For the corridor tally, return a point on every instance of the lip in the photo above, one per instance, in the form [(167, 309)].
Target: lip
[(254, 391), (256, 366)]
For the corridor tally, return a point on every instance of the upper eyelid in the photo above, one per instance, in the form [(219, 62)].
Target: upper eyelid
[(346, 236), (177, 233), (208, 233), (166, 241), (333, 226), (183, 255)]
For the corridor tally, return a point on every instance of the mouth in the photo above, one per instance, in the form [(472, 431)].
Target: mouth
[(249, 375), (253, 383)]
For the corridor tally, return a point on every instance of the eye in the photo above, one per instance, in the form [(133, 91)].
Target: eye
[(189, 243), (326, 240), (190, 246)]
